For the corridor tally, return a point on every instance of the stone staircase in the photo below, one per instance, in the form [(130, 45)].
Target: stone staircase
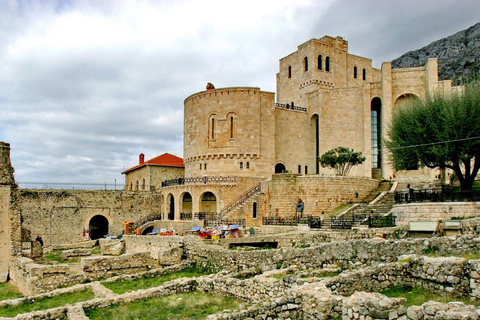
[(380, 206)]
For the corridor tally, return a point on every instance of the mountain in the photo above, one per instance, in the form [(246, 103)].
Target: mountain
[(458, 56)]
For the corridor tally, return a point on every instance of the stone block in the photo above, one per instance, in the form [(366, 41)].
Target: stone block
[(112, 247), (170, 256)]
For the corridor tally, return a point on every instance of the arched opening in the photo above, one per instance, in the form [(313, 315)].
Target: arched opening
[(232, 127), (305, 63), (405, 99), (213, 128), (319, 62), (280, 168), (299, 169), (171, 207), (187, 203), (306, 169), (376, 107), (315, 122), (355, 74), (147, 230), (364, 74), (208, 202), (327, 64), (254, 210), (98, 227)]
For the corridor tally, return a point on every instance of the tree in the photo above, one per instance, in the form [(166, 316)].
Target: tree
[(442, 131), (341, 159)]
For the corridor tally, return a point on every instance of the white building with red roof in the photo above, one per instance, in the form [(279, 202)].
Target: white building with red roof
[(149, 175)]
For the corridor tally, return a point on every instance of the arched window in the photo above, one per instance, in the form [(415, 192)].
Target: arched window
[(355, 72), (305, 63), (200, 166), (289, 71), (248, 165), (241, 165), (364, 74), (205, 166), (254, 210), (232, 127), (136, 188), (319, 62), (306, 169), (327, 64), (299, 169), (143, 184), (213, 128)]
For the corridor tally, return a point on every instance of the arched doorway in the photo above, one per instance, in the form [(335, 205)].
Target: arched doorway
[(98, 227), (187, 204), (171, 207), (208, 202), (147, 230), (280, 168)]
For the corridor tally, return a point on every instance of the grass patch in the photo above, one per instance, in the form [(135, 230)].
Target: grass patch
[(193, 305), (56, 256), (47, 303), (120, 287), (335, 212), (418, 296), (9, 291)]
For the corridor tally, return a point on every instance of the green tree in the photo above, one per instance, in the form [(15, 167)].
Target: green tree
[(341, 159), (440, 132)]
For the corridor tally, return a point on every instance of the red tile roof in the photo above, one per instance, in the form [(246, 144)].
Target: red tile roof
[(164, 160)]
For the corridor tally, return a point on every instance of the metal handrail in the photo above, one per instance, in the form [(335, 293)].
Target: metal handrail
[(240, 200)]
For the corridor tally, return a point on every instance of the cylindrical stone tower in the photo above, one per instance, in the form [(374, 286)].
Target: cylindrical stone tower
[(229, 132)]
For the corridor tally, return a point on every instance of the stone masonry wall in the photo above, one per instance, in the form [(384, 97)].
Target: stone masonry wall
[(431, 211), (319, 193)]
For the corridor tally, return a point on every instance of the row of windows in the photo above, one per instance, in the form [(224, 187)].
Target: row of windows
[(204, 166), (355, 73), (319, 64), (231, 129), (137, 185)]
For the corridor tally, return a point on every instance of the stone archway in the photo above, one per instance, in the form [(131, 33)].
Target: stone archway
[(280, 168), (208, 202), (98, 227), (171, 207)]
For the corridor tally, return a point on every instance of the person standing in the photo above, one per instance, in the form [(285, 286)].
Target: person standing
[(300, 206)]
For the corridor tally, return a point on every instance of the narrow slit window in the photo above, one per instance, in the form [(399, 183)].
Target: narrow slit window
[(289, 71), (305, 63), (355, 72), (213, 128), (327, 64), (364, 74), (232, 127), (319, 62)]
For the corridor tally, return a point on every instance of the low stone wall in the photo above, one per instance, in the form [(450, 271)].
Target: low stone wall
[(33, 278), (434, 211), (101, 267)]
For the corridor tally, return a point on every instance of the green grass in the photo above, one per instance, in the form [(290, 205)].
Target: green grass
[(120, 287), (335, 212), (9, 291), (47, 303), (418, 296), (194, 305)]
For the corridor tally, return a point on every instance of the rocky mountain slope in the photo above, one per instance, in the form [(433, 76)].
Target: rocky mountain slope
[(458, 56)]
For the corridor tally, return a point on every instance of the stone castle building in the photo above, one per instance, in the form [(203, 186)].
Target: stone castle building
[(326, 98)]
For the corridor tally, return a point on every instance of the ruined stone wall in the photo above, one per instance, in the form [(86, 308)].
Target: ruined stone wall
[(10, 218), (59, 216)]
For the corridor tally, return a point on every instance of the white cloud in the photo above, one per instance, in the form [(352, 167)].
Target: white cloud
[(87, 85)]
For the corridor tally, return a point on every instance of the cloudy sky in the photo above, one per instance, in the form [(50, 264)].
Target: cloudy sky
[(87, 85)]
